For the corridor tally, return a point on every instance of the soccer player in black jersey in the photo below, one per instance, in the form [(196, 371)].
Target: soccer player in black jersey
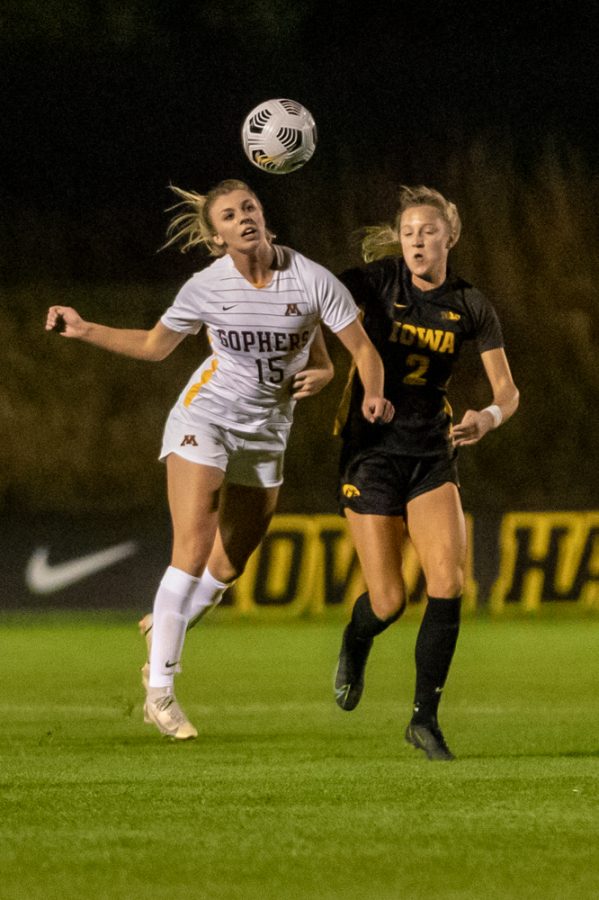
[(403, 475)]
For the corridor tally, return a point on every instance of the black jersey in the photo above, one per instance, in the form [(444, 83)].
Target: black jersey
[(419, 335)]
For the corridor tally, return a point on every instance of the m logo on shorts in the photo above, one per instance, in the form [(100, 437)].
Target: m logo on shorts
[(189, 439), (292, 310), (350, 490)]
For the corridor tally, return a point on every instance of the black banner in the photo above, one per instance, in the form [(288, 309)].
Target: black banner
[(305, 564)]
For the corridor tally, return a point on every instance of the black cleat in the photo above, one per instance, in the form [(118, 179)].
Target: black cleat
[(349, 677), (430, 739)]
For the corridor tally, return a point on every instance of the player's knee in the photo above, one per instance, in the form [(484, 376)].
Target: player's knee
[(225, 571), (446, 581), (190, 554), (228, 563), (388, 603)]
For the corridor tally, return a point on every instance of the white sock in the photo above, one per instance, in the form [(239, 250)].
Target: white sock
[(170, 617), (208, 594)]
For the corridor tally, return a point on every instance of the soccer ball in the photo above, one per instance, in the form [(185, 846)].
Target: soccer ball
[(279, 136)]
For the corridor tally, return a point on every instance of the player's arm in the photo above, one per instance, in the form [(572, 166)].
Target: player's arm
[(476, 423), (318, 372), (152, 344), (370, 369)]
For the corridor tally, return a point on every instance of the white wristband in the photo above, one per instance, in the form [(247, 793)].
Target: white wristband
[(496, 414)]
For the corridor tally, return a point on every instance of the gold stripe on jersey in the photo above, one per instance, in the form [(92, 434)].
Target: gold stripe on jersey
[(196, 388)]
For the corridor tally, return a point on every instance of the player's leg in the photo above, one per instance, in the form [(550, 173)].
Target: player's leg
[(247, 502), (207, 593), (193, 494), (244, 516), (207, 447), (378, 541), (245, 513), (437, 530), (372, 497)]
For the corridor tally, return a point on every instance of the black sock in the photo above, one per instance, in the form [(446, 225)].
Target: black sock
[(435, 645), (365, 624)]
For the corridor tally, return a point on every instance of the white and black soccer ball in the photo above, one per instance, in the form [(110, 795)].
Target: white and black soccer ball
[(279, 136)]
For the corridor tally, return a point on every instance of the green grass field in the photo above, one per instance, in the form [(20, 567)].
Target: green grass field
[(283, 795)]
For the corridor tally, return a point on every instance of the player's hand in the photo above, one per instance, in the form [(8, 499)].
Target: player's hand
[(378, 410), (472, 428), (66, 321), (309, 382)]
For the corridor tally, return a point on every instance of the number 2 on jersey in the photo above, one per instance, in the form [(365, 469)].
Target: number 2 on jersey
[(420, 366)]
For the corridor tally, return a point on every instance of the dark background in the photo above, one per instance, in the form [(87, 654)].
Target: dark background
[(104, 104)]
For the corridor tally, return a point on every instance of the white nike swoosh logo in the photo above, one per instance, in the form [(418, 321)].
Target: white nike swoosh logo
[(43, 578), (342, 692)]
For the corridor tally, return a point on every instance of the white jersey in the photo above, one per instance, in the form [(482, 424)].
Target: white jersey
[(260, 337)]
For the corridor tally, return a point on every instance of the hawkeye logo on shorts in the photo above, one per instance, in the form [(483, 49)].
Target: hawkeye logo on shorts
[(450, 316), (189, 440), (350, 490)]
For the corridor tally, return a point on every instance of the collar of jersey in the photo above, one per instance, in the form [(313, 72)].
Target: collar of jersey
[(234, 270)]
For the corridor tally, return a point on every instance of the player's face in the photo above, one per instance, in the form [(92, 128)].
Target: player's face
[(425, 243), (238, 222)]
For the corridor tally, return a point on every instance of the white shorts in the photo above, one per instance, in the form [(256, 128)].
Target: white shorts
[(254, 460)]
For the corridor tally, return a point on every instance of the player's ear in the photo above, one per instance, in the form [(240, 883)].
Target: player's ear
[(218, 239)]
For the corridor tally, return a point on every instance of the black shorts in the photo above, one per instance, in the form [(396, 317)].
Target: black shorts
[(381, 483)]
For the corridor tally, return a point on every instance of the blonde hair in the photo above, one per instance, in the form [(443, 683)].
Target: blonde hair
[(384, 240), (191, 226)]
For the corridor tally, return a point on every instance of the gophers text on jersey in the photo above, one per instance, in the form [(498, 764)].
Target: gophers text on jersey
[(259, 337)]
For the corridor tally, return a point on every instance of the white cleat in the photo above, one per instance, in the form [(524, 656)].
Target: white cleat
[(162, 710)]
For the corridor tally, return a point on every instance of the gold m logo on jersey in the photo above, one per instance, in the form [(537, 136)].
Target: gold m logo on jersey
[(350, 490), (189, 439), (292, 310)]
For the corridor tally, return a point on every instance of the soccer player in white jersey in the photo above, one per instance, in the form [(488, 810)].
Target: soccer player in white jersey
[(225, 437)]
